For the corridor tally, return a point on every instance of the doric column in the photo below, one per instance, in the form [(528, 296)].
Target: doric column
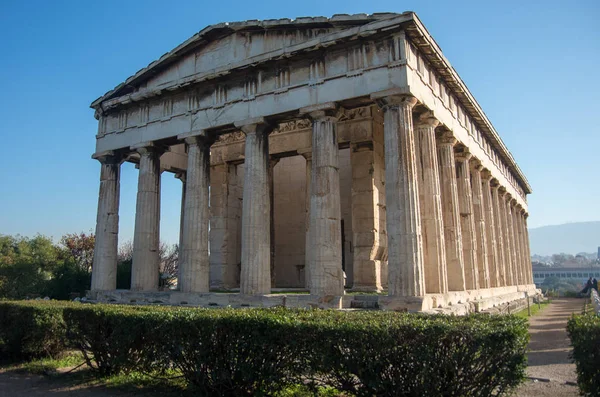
[(225, 216), (255, 278), (325, 232), (479, 214), (146, 238), (521, 245), (366, 160), (434, 245), (272, 163), (181, 176), (307, 243), (104, 269), (194, 267), (451, 212), (512, 239), (490, 223), (508, 247), (467, 222), (500, 240), (527, 250), (403, 213)]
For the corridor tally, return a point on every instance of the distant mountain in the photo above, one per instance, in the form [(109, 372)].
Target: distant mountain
[(570, 238)]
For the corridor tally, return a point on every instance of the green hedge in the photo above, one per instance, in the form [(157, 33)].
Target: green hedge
[(32, 329), (584, 331), (244, 352)]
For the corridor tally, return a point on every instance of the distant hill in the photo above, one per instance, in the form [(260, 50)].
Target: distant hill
[(570, 238)]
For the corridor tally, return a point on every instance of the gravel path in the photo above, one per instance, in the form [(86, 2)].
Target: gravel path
[(548, 358)]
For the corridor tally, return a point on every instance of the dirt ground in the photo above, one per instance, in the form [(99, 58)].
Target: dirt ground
[(548, 358), (13, 384), (548, 361)]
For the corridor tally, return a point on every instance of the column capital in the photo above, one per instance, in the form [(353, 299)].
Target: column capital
[(149, 147), (109, 157), (329, 111), (463, 156), (486, 174), (200, 140), (427, 119), (254, 125), (388, 101), (446, 138), (476, 164)]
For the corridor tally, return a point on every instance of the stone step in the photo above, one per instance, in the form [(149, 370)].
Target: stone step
[(358, 304), (366, 298)]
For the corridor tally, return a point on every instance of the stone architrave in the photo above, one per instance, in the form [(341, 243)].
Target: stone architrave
[(255, 278), (146, 238), (194, 268), (490, 223), (451, 211), (325, 234), (500, 237), (104, 269), (479, 214), (436, 277), (406, 276), (467, 222)]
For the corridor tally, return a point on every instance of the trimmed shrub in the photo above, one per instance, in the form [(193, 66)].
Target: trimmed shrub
[(113, 338), (32, 329), (389, 354), (584, 331), (247, 352)]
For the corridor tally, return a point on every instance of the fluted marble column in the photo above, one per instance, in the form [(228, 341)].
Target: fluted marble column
[(434, 245), (513, 241), (326, 274), (104, 269), (467, 222), (500, 239), (272, 163), (479, 215), (194, 267), (520, 234), (451, 212), (255, 277), (515, 237), (490, 223), (527, 249), (181, 176), (508, 243), (146, 238), (307, 243), (403, 213)]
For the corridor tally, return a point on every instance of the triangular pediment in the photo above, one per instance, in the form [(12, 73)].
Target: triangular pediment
[(224, 44)]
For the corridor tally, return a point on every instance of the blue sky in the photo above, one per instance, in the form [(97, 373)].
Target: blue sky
[(532, 65)]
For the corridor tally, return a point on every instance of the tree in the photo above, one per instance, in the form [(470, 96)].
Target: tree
[(80, 247), (26, 264)]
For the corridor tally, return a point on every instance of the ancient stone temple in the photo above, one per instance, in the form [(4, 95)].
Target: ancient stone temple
[(324, 154)]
